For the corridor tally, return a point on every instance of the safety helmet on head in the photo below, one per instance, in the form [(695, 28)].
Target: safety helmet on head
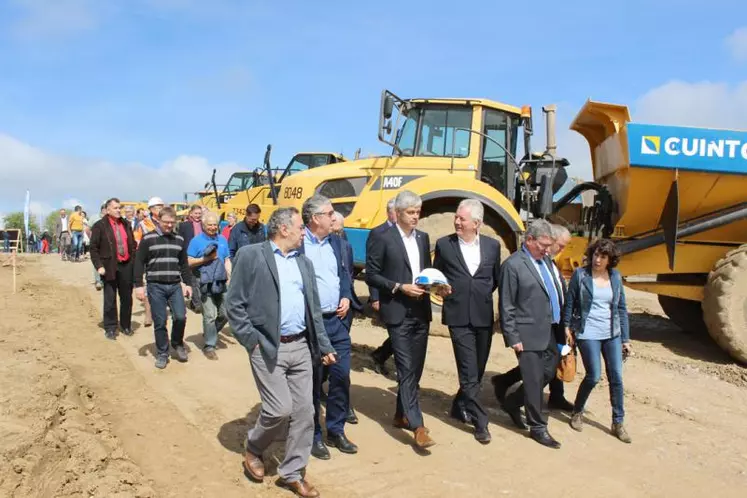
[(155, 201)]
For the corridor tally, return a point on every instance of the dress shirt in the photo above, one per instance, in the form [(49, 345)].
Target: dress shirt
[(63, 220), (413, 252), (471, 254), (292, 304), (323, 257)]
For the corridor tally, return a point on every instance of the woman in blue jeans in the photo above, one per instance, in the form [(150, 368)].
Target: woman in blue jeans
[(595, 312)]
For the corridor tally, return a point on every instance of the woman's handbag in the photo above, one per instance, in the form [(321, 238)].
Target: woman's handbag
[(566, 370)]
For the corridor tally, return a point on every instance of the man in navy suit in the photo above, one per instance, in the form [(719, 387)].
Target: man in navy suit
[(383, 352), (324, 249), (392, 265)]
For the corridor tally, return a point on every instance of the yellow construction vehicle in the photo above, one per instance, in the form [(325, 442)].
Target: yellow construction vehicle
[(260, 186), (675, 201), (445, 150)]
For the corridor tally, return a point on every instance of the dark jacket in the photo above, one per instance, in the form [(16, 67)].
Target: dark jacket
[(387, 264), (242, 235), (104, 247), (348, 263), (373, 292), (253, 303), (187, 231), (471, 299), (581, 294), (524, 304)]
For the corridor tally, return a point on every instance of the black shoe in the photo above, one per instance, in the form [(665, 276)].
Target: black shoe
[(318, 450), (110, 334), (127, 331), (499, 388), (545, 439), (560, 404), (459, 413), (351, 417), (515, 414), (342, 443), (379, 366), (482, 435)]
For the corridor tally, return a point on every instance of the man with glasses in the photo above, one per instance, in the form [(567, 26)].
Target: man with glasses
[(162, 256), (335, 293)]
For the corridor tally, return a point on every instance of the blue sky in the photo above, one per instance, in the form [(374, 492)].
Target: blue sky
[(180, 86)]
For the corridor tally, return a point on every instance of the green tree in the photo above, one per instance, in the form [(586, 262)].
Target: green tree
[(15, 220), (50, 221)]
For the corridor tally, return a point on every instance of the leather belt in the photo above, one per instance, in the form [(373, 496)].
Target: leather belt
[(293, 337)]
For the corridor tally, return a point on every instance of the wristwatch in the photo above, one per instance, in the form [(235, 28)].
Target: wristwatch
[(396, 288)]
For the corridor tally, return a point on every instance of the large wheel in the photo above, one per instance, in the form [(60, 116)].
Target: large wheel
[(438, 225), (725, 303), (686, 314)]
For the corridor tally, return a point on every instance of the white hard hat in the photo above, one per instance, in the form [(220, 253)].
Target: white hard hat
[(155, 201)]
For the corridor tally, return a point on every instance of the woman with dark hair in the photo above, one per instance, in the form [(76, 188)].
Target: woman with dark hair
[(595, 312)]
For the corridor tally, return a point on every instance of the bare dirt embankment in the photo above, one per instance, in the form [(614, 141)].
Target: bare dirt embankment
[(82, 416)]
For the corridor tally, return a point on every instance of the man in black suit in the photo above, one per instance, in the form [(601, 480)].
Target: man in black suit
[(392, 264), (470, 264), (113, 254), (503, 382), (383, 352), (192, 225), (529, 307)]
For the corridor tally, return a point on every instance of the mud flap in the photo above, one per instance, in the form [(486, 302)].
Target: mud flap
[(670, 220)]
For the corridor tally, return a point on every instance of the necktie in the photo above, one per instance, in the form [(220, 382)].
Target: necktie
[(550, 287), (119, 239)]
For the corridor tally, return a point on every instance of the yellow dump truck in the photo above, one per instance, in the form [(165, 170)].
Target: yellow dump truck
[(675, 201)]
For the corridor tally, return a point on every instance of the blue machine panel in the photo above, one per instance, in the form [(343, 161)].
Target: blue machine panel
[(695, 149), (357, 238)]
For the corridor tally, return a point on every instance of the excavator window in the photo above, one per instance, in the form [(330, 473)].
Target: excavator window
[(502, 128), (237, 183), (438, 133)]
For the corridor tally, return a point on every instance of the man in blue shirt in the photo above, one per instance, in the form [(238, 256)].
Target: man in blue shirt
[(208, 252), (335, 293), (249, 231)]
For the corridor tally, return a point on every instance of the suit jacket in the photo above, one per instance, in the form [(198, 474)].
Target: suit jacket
[(342, 273), (386, 265), (253, 303), (58, 227), (525, 309), (348, 263), (471, 300), (187, 231), (104, 247), (373, 292)]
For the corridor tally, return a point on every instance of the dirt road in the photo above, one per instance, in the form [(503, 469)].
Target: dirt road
[(83, 416)]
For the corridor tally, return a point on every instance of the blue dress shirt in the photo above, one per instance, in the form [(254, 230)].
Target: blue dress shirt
[(292, 301), (323, 257)]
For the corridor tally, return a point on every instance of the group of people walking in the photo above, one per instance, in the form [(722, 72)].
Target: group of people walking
[(286, 290)]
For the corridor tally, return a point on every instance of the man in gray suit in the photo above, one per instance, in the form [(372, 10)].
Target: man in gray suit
[(529, 307), (274, 311)]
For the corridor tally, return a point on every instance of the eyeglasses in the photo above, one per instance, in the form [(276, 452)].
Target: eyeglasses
[(164, 222), (329, 213)]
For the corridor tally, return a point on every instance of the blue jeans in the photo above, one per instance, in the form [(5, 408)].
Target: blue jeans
[(76, 247), (160, 296), (213, 318), (611, 351), (338, 394)]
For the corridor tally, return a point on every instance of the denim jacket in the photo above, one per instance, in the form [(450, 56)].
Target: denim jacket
[(579, 298)]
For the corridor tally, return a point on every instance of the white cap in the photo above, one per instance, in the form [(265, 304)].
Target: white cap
[(155, 201)]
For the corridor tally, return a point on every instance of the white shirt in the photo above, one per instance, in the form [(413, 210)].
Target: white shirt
[(413, 251), (64, 223), (471, 254), (558, 278)]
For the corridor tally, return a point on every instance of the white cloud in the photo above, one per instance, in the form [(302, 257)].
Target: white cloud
[(56, 181), (52, 19), (678, 103), (737, 44)]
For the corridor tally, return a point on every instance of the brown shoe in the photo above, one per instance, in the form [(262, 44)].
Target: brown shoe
[(210, 354), (422, 439), (301, 488), (254, 468), (401, 422)]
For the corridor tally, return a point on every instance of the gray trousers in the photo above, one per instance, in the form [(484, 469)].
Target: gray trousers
[(287, 407)]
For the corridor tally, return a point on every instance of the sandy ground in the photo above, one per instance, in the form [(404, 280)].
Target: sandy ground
[(81, 416)]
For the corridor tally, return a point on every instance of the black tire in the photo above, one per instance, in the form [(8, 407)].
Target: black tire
[(725, 303)]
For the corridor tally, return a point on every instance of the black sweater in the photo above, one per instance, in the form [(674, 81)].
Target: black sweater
[(163, 259)]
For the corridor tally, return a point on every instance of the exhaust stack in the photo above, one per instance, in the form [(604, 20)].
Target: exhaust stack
[(552, 146)]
